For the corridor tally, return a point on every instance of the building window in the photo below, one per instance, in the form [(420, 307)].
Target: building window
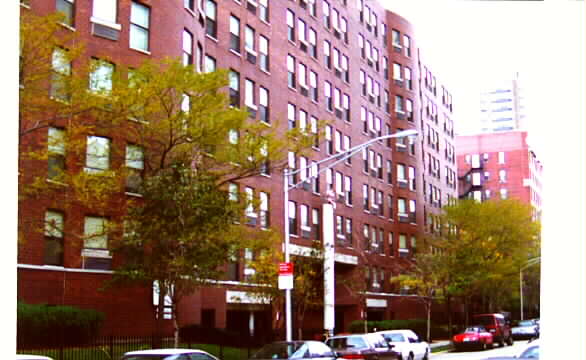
[(412, 179), (67, 8), (290, 25), (264, 210), (187, 48), (312, 43), (326, 18), (391, 204), (249, 211), (263, 48), (249, 95), (234, 83), (292, 218), (97, 154), (263, 10), (396, 39), (327, 54), (61, 71), (504, 194), (407, 45), (101, 76), (234, 34), (232, 192), (53, 254), (95, 233), (291, 116), (209, 64), (408, 81), (249, 39), (313, 91), (501, 157), (135, 166), (301, 31), (328, 96), (56, 153), (105, 10), (291, 71), (264, 105), (139, 26), (502, 176), (211, 24)]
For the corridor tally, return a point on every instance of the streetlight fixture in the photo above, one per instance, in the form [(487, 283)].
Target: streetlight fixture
[(329, 271), (529, 263)]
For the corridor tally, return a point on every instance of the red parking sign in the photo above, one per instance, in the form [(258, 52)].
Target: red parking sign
[(286, 268)]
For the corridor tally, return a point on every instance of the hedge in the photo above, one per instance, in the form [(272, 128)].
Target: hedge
[(42, 325), (419, 326)]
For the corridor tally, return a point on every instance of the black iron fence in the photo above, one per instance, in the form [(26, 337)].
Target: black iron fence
[(113, 347)]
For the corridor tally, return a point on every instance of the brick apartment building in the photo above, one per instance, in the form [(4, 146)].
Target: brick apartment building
[(347, 61), (499, 165)]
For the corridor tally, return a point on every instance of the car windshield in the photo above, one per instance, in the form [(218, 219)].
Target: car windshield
[(346, 342), (394, 337), (526, 323), (474, 329), (278, 351)]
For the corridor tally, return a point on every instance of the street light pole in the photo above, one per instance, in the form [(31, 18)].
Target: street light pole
[(286, 187), (527, 264)]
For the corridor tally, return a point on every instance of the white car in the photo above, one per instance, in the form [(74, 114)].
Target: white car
[(407, 343), (31, 357), (168, 354)]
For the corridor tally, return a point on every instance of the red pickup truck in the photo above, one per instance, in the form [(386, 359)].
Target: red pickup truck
[(497, 325)]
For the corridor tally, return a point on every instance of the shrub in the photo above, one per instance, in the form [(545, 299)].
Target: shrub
[(40, 325)]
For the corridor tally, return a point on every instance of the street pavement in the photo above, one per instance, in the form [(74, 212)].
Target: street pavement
[(478, 355)]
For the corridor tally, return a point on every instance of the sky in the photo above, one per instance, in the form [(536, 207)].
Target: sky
[(471, 43), (468, 44)]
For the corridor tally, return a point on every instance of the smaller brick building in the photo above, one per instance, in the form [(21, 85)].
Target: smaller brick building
[(499, 166)]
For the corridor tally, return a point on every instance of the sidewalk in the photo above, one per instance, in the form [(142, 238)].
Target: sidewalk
[(437, 344)]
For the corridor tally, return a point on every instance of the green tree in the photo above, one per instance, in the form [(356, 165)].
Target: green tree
[(427, 279), (481, 247), (193, 147)]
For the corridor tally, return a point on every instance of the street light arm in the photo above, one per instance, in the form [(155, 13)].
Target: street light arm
[(351, 152)]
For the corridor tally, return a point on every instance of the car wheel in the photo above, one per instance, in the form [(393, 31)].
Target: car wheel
[(510, 341), (502, 342), (410, 357), (426, 356), (483, 346)]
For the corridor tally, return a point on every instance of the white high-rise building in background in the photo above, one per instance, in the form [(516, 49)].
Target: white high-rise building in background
[(501, 106)]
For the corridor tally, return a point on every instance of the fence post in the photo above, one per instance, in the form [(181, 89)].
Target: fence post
[(221, 351), (111, 347)]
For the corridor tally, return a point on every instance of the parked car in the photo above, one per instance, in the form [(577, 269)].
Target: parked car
[(362, 347), (473, 337), (525, 329), (529, 351), (407, 343), (169, 354), (497, 325), (297, 350), (31, 357)]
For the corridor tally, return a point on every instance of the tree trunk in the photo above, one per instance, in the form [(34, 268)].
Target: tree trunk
[(466, 310), (429, 321)]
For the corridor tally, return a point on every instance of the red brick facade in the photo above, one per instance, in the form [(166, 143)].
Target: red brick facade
[(516, 170), (360, 111)]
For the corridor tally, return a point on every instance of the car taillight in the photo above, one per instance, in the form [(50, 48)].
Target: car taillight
[(354, 357)]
